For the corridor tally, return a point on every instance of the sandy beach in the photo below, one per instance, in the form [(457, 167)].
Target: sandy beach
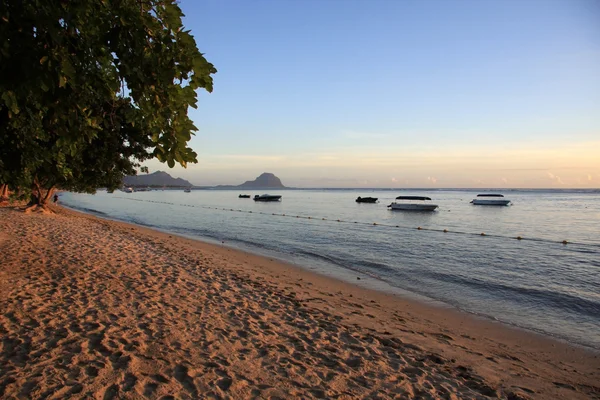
[(91, 308)]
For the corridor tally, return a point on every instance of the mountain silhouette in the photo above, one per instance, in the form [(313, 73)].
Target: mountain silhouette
[(158, 178), (266, 180)]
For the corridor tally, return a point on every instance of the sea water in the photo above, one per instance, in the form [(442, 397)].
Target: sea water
[(464, 256)]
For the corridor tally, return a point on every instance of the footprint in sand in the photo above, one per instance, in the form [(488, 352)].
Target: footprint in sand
[(150, 388), (181, 374), (111, 392), (129, 381)]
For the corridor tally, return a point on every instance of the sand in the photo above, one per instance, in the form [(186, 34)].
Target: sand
[(91, 308)]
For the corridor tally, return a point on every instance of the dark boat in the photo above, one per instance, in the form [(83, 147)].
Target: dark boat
[(267, 197), (366, 199), (244, 196)]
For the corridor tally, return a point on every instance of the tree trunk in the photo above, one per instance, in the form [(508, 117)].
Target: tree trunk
[(48, 196), (40, 198), (4, 192)]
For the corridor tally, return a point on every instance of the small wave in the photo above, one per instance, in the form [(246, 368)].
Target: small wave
[(85, 209), (93, 211), (379, 268), (556, 300), (137, 221), (321, 257), (374, 270), (211, 235)]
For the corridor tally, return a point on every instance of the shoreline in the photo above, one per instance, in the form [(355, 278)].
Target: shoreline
[(256, 251), (394, 292), (445, 352), (344, 276)]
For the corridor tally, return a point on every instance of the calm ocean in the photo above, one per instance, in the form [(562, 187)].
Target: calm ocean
[(537, 283)]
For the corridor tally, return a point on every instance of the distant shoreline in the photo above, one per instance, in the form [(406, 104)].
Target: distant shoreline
[(477, 190)]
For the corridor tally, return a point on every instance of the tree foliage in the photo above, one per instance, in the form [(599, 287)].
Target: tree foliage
[(90, 88)]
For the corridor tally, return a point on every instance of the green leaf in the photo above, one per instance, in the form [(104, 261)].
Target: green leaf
[(11, 101), (67, 68)]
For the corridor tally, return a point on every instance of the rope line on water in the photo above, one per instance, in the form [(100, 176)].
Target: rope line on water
[(483, 234)]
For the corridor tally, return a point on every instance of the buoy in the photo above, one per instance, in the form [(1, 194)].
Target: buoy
[(397, 226), (519, 238), (419, 228), (482, 234), (357, 278), (445, 230), (308, 217), (323, 219), (564, 242), (339, 220), (283, 215), (374, 223)]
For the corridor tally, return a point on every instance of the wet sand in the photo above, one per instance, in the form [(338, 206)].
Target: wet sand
[(91, 308)]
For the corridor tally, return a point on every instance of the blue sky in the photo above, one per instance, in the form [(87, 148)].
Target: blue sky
[(399, 93)]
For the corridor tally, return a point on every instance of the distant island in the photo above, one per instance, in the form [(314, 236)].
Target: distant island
[(161, 179), (155, 179), (266, 180)]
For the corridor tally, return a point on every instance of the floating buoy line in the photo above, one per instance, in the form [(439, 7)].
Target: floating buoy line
[(419, 228)]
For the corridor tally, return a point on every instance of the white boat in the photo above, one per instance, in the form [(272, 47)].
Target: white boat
[(490, 199), (267, 197), (413, 203), (127, 190)]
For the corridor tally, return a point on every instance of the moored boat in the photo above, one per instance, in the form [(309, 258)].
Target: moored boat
[(413, 203), (490, 199), (267, 197), (366, 199), (187, 190), (244, 196)]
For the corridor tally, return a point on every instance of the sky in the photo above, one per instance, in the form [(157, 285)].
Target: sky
[(398, 93)]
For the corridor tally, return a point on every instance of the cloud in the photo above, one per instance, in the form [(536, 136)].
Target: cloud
[(328, 158), (250, 157), (432, 179), (555, 178), (517, 169)]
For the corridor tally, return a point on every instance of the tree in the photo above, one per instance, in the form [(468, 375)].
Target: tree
[(90, 88)]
